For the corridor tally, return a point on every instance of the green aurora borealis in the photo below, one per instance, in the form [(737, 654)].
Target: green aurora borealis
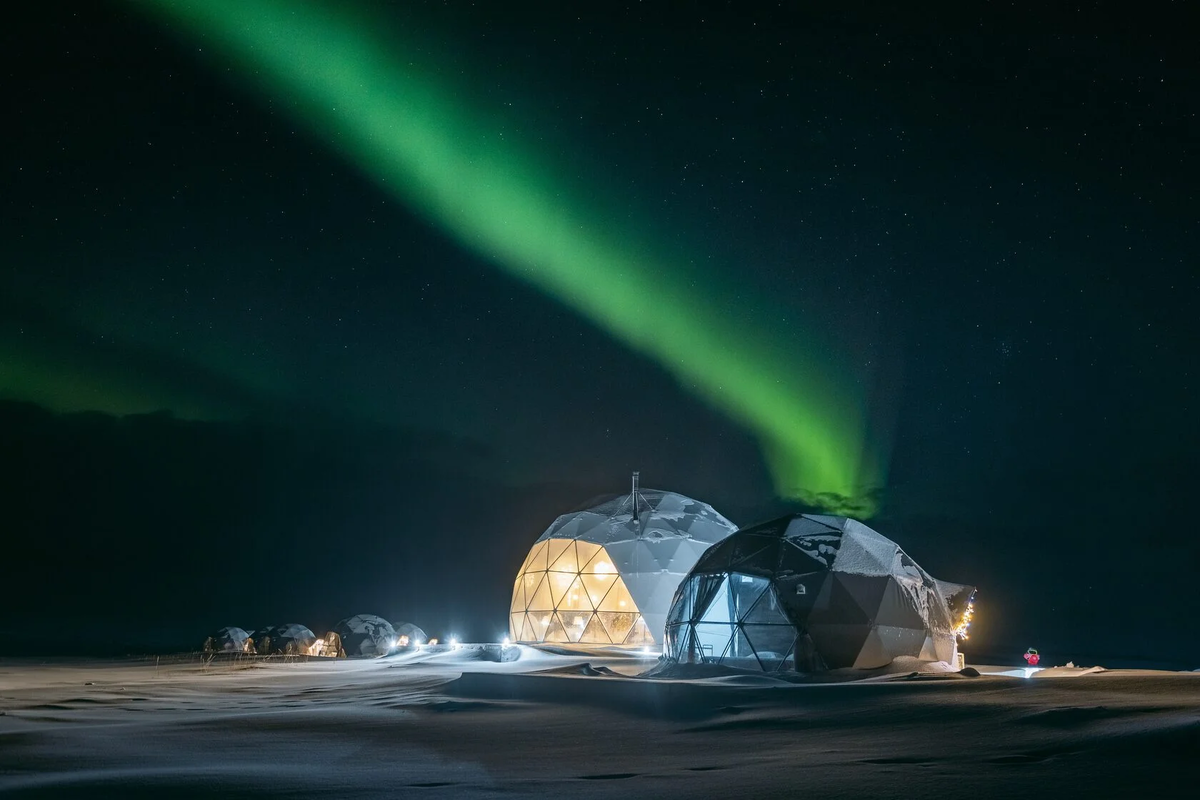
[(503, 195)]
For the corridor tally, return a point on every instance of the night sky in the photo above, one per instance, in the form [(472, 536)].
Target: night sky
[(267, 358)]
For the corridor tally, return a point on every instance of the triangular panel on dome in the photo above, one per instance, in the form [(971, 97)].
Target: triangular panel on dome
[(555, 548), (536, 560), (663, 551), (595, 632), (712, 639), (766, 611), (839, 645), (719, 608), (542, 600), (771, 643), (866, 590), (567, 561), (556, 632), (639, 633), (518, 596), (793, 558), (740, 651), (901, 641), (617, 624), (861, 554), (574, 623), (745, 591), (598, 562), (618, 598), (928, 651), (898, 607), (597, 586), (799, 593), (717, 557), (516, 623), (527, 632), (560, 583), (838, 523), (755, 554), (586, 552), (873, 653), (540, 623), (841, 608)]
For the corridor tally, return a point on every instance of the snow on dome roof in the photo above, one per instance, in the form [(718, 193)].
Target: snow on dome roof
[(606, 574), (660, 515), (808, 592)]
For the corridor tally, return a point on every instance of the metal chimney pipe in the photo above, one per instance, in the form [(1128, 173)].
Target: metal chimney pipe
[(633, 496)]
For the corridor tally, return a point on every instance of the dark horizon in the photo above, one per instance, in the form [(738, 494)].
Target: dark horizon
[(245, 379)]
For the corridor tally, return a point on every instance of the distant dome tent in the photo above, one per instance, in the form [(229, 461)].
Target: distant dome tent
[(229, 640), (291, 639), (362, 635), (409, 635), (811, 592), (606, 574)]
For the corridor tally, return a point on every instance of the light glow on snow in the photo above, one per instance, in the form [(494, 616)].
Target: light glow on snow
[(474, 171)]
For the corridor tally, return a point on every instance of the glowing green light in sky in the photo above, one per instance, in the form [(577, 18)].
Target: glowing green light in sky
[(408, 128)]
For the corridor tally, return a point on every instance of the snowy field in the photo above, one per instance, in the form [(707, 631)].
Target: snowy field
[(454, 724)]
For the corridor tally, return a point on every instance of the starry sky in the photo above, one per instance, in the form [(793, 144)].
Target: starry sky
[(263, 355)]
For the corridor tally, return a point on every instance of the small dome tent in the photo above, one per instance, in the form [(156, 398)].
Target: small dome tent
[(409, 635), (606, 574), (229, 640), (810, 592), (291, 639), (364, 635)]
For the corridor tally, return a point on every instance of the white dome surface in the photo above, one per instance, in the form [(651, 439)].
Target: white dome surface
[(606, 574)]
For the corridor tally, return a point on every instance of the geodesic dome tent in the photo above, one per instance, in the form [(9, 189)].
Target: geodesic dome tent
[(229, 640), (291, 639), (606, 574), (809, 592), (409, 635), (363, 635)]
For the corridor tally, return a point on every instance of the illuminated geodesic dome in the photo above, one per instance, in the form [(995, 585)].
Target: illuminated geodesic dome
[(291, 639), (409, 635), (229, 640), (606, 575), (809, 592), (363, 635)]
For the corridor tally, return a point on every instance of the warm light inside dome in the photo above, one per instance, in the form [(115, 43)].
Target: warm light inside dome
[(569, 591)]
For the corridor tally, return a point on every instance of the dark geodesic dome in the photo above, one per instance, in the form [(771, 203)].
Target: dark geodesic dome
[(812, 592), (365, 635), (229, 640), (291, 639)]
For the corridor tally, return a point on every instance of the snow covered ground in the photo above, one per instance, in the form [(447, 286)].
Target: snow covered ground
[(453, 724)]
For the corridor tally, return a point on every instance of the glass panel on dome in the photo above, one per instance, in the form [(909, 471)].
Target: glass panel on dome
[(744, 591), (587, 551), (575, 598), (555, 548), (597, 586), (539, 623), (707, 587), (719, 606), (530, 580), (594, 633), (617, 599), (598, 563), (568, 561), (772, 643), (574, 623), (518, 595), (555, 632), (536, 558), (617, 624), (527, 632), (712, 639), (542, 599), (640, 633), (559, 583), (766, 611), (741, 653), (515, 623)]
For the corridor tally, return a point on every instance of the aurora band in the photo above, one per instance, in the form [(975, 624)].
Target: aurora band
[(407, 128)]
